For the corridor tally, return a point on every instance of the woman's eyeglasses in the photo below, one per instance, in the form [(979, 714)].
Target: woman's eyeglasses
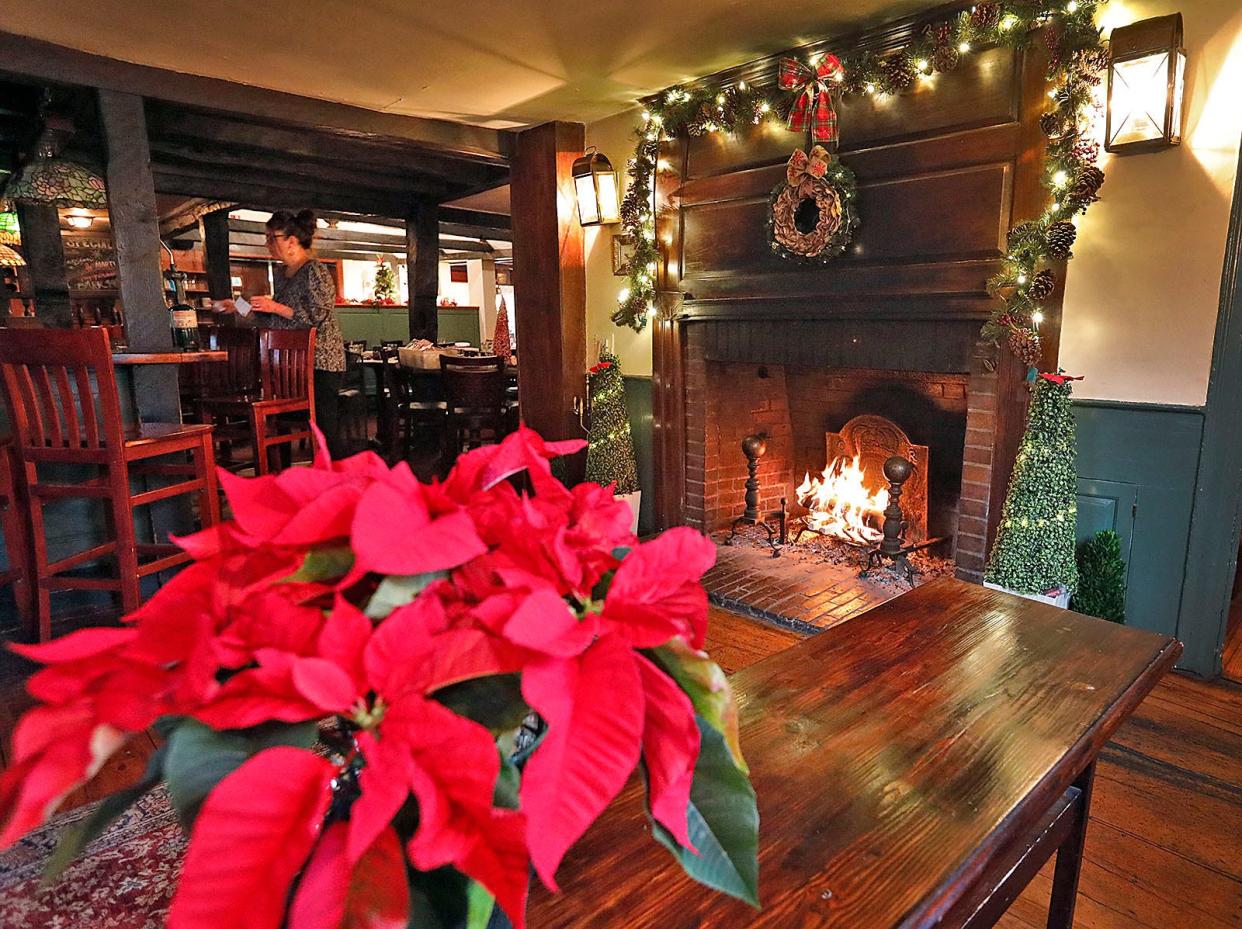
[(273, 236)]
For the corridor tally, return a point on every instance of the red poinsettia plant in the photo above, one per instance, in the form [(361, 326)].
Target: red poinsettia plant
[(383, 702)]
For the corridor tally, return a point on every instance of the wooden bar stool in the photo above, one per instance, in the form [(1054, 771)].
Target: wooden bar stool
[(16, 529), (60, 387), (284, 409)]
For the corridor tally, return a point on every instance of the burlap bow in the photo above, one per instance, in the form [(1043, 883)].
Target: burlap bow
[(804, 170), (813, 108)]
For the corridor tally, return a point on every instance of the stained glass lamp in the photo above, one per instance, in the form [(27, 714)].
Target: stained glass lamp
[(11, 258), (10, 232), (60, 182)]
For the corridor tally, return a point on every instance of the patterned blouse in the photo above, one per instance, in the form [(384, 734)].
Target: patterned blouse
[(311, 293)]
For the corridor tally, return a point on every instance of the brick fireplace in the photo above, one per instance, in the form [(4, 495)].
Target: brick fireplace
[(795, 402)]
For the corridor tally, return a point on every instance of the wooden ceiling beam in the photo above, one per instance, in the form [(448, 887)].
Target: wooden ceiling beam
[(24, 57), (453, 214), (225, 132), (274, 166), (271, 196), (476, 232)]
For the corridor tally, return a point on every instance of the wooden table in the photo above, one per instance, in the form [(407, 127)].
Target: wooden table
[(168, 358), (914, 767)]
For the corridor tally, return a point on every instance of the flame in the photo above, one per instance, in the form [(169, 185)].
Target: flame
[(840, 502)]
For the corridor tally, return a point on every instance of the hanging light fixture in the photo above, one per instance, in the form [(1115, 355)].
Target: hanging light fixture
[(595, 183), (11, 258), (1146, 79), (10, 232), (51, 180)]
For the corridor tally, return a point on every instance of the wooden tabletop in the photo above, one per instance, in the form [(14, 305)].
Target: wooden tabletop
[(892, 756), (168, 358)]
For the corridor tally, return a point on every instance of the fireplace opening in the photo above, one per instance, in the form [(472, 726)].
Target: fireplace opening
[(827, 434)]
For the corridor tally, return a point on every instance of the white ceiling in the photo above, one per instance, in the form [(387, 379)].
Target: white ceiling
[(481, 61)]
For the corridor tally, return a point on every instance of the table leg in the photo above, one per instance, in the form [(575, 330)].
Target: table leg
[(1069, 859)]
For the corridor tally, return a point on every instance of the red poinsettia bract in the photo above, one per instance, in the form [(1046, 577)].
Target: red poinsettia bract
[(426, 620)]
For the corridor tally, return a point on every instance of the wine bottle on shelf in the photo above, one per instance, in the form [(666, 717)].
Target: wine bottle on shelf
[(183, 317)]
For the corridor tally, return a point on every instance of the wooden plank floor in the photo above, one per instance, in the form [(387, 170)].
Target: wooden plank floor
[(1164, 849)]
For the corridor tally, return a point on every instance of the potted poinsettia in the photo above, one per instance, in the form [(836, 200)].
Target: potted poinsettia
[(338, 677)]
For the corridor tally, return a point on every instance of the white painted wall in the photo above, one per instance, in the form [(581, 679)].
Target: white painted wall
[(1142, 292)]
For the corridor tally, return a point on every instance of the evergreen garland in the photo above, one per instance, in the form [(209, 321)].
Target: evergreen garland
[(1076, 59), (1034, 550), (610, 447), (1101, 577)]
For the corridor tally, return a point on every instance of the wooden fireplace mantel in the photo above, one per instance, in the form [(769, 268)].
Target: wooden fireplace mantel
[(944, 171)]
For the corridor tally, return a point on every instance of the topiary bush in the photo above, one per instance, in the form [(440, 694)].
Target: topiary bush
[(1101, 578)]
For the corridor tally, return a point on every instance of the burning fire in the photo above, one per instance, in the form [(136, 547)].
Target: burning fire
[(840, 503)]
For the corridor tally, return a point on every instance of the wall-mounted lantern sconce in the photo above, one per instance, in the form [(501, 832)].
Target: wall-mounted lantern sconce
[(1146, 77), (595, 183)]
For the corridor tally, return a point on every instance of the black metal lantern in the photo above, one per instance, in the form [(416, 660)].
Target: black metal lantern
[(595, 183), (1146, 76)]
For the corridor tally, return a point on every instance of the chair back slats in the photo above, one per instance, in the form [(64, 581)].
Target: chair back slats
[(48, 376), (474, 384), (287, 361), (240, 374)]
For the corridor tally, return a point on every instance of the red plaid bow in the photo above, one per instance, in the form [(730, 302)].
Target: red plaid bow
[(813, 108)]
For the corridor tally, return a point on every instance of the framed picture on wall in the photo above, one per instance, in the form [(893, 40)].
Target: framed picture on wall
[(622, 254)]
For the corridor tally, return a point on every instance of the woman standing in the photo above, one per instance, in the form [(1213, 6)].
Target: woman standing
[(305, 298)]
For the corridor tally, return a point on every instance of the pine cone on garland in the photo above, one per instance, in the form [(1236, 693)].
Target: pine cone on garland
[(946, 58), (985, 16), (1087, 184), (1091, 62), (1061, 239), (1053, 125), (1042, 285), (1025, 345), (899, 72)]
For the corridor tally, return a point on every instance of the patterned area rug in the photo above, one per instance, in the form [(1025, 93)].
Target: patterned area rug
[(123, 880)]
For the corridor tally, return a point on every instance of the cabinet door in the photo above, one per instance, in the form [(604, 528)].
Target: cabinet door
[(1108, 505)]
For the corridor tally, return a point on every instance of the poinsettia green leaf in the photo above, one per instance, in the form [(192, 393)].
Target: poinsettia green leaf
[(723, 823), (398, 590), (324, 564), (479, 906), (708, 689), (439, 899), (508, 782), (77, 836), (494, 701), (199, 757)]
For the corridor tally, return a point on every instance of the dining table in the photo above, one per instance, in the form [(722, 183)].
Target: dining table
[(914, 767)]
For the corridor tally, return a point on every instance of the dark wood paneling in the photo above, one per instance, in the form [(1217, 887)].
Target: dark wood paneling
[(811, 284), (550, 290), (979, 93), (947, 216)]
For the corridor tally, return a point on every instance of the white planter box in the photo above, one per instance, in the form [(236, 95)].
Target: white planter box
[(634, 500), (1061, 600)]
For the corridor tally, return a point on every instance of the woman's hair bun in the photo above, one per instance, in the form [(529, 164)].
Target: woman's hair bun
[(301, 226)]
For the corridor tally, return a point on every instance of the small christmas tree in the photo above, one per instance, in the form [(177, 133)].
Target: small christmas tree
[(502, 344), (1101, 577), (1034, 550), (385, 289), (610, 449)]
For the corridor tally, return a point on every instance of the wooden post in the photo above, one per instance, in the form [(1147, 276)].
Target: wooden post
[(550, 278), (422, 251), (45, 255), (216, 251), (136, 234)]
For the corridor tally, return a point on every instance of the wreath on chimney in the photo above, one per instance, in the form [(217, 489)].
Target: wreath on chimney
[(813, 214)]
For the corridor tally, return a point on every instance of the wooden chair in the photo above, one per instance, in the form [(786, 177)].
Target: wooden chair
[(408, 410), (225, 390), (353, 401), (475, 392), (280, 412), (287, 375), (16, 529), (64, 409)]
